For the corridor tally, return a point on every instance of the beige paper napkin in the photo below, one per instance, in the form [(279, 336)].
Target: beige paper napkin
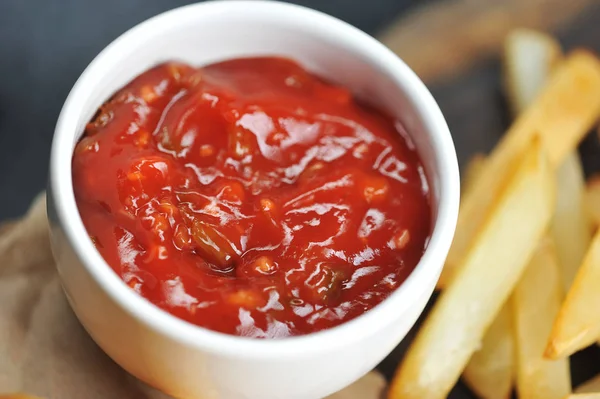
[(44, 351)]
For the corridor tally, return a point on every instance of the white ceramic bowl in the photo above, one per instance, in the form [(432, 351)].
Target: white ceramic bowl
[(187, 361)]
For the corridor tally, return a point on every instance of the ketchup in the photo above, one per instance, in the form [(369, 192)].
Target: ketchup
[(250, 197)]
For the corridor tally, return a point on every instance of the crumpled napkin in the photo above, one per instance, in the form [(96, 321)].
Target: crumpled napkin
[(44, 351)]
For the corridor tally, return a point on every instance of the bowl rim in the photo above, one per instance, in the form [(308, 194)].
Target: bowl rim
[(367, 324)]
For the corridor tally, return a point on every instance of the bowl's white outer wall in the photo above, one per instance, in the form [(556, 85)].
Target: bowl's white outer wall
[(191, 362)]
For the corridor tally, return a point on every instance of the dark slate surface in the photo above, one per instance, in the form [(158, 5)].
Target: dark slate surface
[(46, 44)]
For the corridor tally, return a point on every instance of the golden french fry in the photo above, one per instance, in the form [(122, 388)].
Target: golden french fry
[(591, 385), (529, 57), (535, 303), (490, 371), (578, 322), (563, 112), (595, 395), (571, 227), (472, 171), (503, 247), (592, 197)]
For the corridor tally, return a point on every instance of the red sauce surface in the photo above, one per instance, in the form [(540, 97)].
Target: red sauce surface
[(250, 197)]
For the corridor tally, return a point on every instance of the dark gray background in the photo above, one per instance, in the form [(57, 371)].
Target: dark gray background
[(46, 44)]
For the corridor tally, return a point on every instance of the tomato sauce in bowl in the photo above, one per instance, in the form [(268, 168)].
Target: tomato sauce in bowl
[(251, 197)]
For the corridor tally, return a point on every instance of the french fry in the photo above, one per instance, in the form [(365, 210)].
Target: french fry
[(503, 247), (592, 197), (529, 57), (490, 371), (563, 112), (578, 322), (535, 303), (472, 172), (592, 385), (571, 227), (595, 395)]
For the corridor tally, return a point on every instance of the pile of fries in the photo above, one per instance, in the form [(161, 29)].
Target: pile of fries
[(520, 291)]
